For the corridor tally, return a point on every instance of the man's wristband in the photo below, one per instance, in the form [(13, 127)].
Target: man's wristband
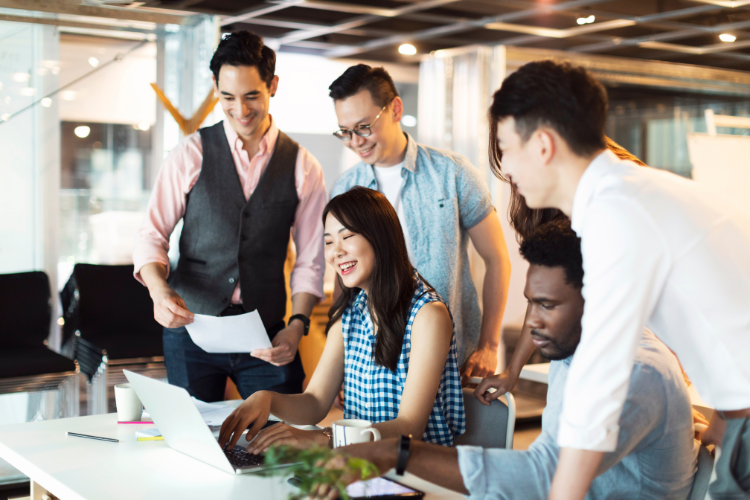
[(404, 449), (304, 319)]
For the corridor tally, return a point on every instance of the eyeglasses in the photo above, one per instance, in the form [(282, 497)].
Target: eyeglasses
[(364, 130)]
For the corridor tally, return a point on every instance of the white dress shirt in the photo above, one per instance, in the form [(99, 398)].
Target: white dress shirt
[(664, 252)]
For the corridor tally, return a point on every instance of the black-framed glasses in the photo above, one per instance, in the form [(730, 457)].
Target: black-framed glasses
[(364, 130)]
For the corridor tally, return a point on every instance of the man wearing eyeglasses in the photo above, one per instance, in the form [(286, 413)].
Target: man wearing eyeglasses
[(441, 202), (241, 187)]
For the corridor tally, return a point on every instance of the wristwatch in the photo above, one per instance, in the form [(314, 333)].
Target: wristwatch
[(304, 319), (328, 432), (404, 448)]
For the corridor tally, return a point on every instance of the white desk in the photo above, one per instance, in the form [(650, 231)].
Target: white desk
[(83, 469)]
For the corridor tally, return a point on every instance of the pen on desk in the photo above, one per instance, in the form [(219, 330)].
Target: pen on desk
[(98, 438)]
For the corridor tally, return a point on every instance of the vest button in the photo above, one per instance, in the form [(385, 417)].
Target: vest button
[(243, 238), (245, 215), (231, 280)]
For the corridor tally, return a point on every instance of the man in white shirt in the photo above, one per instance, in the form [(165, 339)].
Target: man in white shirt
[(658, 251)]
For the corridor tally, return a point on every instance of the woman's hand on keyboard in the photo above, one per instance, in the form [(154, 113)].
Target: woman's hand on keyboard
[(284, 434), (255, 410)]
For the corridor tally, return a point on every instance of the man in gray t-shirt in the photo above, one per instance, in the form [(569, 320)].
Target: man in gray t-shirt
[(442, 203), (656, 452)]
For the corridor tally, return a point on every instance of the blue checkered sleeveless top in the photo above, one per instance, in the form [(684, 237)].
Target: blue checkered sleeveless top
[(373, 392)]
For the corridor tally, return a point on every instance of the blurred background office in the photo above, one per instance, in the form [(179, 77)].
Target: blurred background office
[(82, 133)]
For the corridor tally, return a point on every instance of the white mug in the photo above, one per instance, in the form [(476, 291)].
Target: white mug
[(129, 406), (353, 430)]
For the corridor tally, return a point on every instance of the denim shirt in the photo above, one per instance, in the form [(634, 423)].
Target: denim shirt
[(443, 197), (656, 455)]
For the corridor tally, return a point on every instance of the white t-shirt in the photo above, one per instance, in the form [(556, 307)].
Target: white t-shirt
[(390, 184)]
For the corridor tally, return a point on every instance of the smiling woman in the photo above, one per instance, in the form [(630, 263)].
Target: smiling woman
[(390, 341)]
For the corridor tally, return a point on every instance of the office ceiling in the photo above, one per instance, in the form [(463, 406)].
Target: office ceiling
[(685, 31)]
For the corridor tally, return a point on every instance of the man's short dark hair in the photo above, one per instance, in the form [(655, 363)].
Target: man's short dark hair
[(377, 81), (562, 96), (555, 244), (243, 48)]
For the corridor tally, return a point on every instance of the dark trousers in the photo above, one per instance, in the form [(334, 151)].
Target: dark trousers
[(204, 374)]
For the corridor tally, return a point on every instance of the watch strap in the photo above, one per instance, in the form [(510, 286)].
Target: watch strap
[(404, 449), (304, 319)]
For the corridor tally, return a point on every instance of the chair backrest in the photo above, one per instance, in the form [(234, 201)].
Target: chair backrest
[(488, 426), (113, 311), (110, 301), (702, 475), (25, 309)]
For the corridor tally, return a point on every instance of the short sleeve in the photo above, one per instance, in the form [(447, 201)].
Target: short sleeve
[(474, 202)]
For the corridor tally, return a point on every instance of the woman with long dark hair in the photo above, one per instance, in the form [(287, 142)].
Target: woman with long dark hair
[(390, 341)]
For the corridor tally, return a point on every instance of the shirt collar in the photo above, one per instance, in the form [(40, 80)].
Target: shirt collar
[(267, 143), (597, 169), (410, 159), (360, 301)]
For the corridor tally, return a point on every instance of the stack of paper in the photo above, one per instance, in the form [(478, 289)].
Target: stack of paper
[(151, 434)]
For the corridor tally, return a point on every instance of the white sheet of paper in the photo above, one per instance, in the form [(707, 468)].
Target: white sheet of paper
[(242, 333), (213, 414)]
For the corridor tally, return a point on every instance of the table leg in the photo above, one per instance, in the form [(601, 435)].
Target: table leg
[(39, 493)]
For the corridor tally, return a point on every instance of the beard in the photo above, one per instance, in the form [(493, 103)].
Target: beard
[(557, 350)]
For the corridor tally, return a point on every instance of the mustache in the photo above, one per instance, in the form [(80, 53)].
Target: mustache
[(539, 336)]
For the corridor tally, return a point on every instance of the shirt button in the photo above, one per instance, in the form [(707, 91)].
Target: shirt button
[(231, 280)]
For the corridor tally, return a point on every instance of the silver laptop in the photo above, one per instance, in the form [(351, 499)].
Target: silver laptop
[(184, 429)]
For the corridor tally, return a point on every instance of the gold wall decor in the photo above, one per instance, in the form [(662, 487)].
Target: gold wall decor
[(192, 124)]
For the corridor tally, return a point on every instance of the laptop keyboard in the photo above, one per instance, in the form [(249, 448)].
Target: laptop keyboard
[(238, 457)]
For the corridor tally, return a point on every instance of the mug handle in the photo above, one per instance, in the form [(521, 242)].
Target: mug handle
[(375, 433)]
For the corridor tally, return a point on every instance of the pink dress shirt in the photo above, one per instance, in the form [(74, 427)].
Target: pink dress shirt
[(179, 174)]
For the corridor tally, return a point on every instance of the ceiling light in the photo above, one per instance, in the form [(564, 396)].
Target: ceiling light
[(83, 131), (586, 20), (27, 92), (46, 102), (94, 61), (1, 85), (21, 77), (726, 37), (5, 117), (407, 49), (409, 121), (144, 126), (68, 95), (56, 70)]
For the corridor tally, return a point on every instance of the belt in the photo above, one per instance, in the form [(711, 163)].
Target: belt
[(735, 414)]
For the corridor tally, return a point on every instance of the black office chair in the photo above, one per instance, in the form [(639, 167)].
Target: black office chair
[(26, 364), (107, 308)]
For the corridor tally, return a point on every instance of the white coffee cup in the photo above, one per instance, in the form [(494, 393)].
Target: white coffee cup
[(353, 430), (129, 406)]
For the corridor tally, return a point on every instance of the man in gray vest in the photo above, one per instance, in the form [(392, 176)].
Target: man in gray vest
[(240, 186)]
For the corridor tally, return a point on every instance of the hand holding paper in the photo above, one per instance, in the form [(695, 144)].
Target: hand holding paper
[(227, 334)]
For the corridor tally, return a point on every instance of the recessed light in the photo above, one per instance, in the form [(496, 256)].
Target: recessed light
[(21, 77), (5, 117), (46, 102), (407, 49), (726, 37), (144, 126), (83, 131), (27, 91), (586, 20), (94, 61), (68, 95)]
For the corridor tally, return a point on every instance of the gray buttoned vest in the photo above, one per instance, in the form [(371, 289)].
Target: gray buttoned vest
[(226, 238)]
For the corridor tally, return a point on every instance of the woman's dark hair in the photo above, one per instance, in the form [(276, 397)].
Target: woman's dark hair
[(392, 284), (555, 244), (244, 48), (377, 81)]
